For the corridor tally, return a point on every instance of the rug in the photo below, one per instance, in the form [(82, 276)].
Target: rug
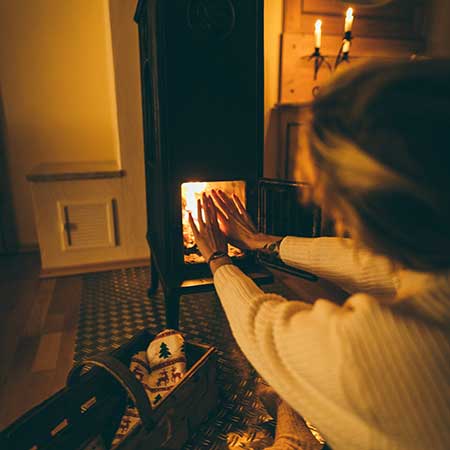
[(114, 307)]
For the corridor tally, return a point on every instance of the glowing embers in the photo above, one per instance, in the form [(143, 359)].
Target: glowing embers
[(190, 193)]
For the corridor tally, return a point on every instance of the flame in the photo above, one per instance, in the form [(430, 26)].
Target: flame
[(318, 25), (191, 193), (349, 14)]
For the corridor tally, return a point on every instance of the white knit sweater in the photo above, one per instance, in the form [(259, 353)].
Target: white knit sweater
[(370, 374)]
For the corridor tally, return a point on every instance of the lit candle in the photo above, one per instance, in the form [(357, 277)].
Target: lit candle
[(317, 33), (346, 46), (348, 20)]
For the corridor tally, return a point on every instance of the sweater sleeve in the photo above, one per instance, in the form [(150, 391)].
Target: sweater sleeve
[(351, 370), (295, 347), (339, 261)]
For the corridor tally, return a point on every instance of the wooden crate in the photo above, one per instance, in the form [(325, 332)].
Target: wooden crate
[(92, 405)]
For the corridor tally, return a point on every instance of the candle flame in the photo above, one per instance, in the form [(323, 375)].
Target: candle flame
[(318, 25), (349, 13)]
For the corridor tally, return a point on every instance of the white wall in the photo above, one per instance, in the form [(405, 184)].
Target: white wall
[(56, 76), (125, 46), (273, 28)]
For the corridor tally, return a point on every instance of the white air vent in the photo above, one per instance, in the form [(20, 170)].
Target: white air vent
[(87, 225)]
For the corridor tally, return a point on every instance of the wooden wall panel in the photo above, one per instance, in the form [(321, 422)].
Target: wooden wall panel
[(297, 70), (292, 124), (393, 31), (402, 19), (292, 16)]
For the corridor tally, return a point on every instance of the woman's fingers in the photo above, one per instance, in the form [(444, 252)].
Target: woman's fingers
[(230, 206), (200, 215), (222, 217), (212, 210), (193, 226), (222, 205), (238, 203), (244, 212), (209, 213), (215, 212)]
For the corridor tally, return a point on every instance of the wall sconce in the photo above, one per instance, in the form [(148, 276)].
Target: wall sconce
[(344, 49), (319, 59)]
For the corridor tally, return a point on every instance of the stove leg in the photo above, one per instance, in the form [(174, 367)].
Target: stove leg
[(154, 278), (172, 301)]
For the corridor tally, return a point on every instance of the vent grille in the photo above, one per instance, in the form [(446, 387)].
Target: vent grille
[(87, 225)]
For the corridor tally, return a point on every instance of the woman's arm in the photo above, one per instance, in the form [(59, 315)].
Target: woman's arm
[(335, 259), (338, 260), (297, 348)]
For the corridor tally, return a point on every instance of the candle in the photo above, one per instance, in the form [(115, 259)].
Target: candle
[(348, 20), (346, 46), (317, 33)]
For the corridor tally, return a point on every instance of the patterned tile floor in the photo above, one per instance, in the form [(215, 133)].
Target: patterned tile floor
[(115, 306)]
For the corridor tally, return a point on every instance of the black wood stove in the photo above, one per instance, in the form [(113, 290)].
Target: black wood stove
[(203, 93)]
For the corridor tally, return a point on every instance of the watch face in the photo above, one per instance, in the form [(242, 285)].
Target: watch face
[(211, 18)]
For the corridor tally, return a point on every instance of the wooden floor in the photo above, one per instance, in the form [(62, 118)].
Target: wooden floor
[(37, 333), (38, 329)]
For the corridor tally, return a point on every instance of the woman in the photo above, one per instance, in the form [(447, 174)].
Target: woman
[(373, 373)]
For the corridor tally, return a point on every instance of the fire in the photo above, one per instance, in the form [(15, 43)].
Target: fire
[(190, 193)]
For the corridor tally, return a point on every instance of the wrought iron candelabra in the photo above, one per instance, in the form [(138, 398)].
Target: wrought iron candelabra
[(342, 56)]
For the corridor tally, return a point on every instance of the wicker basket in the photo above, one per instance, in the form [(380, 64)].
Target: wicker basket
[(92, 404)]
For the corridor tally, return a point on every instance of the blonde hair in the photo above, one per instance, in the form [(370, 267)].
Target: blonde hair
[(379, 142)]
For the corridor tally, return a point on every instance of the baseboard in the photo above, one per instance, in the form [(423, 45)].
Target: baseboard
[(92, 268)]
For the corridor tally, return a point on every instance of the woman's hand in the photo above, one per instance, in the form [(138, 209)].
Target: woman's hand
[(236, 223), (208, 236)]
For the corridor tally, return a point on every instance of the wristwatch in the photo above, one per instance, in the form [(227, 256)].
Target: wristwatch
[(216, 255), (272, 248)]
